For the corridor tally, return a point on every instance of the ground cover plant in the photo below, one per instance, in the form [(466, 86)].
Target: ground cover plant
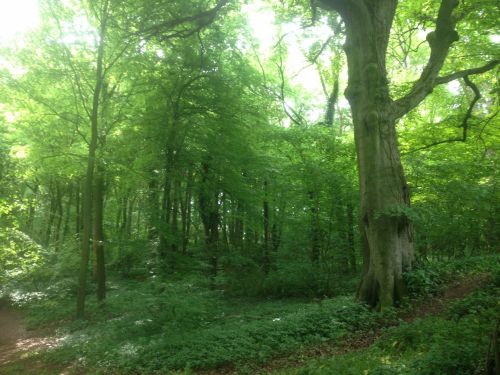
[(152, 326)]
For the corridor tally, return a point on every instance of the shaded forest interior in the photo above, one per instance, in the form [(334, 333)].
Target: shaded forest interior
[(213, 185)]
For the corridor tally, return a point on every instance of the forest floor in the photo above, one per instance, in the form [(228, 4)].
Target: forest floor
[(420, 309), (19, 346)]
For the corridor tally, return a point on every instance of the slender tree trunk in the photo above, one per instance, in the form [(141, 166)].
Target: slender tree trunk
[(52, 214), (98, 232), (174, 243), (315, 226), (124, 216), (265, 210), (60, 213), (138, 222), (89, 177), (153, 215), (186, 212), (78, 207), (166, 209), (32, 211), (130, 213), (210, 217), (67, 214)]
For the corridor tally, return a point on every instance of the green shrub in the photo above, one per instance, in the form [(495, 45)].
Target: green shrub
[(424, 280)]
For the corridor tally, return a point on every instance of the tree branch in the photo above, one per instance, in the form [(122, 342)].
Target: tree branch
[(202, 19), (466, 72), (477, 96), (440, 41), (346, 8), (465, 121)]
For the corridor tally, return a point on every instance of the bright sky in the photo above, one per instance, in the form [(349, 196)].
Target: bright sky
[(17, 16), (262, 22)]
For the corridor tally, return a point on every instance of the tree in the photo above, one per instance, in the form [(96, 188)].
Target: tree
[(385, 198)]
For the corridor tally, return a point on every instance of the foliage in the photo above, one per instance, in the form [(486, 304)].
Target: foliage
[(455, 343)]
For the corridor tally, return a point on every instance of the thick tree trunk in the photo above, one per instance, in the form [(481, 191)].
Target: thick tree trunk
[(384, 226), (350, 236), (384, 198)]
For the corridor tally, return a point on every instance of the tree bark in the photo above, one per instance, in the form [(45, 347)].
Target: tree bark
[(387, 240), (98, 233), (265, 209), (385, 228), (210, 217), (315, 226), (60, 213), (89, 177)]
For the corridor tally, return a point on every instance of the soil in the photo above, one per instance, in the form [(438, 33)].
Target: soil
[(11, 332), (15, 340)]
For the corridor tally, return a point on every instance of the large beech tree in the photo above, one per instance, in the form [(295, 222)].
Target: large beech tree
[(384, 222)]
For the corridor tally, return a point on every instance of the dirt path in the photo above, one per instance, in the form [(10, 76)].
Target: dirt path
[(15, 340), (358, 341), (12, 332)]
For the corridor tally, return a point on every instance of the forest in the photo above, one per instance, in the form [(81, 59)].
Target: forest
[(250, 187)]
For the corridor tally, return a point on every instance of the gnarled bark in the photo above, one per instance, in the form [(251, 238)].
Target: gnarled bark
[(385, 227)]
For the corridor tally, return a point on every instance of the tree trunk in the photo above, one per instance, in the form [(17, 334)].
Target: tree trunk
[(384, 226), (60, 213), (67, 214), (315, 226), (153, 214), (186, 212), (210, 217), (89, 177), (78, 207), (174, 227), (166, 208), (52, 213), (98, 233), (265, 208), (350, 236)]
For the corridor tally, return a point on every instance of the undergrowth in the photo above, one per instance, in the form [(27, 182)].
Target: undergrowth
[(454, 343), (155, 326)]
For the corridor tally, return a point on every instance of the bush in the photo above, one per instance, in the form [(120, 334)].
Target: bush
[(424, 280)]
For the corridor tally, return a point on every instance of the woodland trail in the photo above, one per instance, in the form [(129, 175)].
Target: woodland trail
[(12, 333), (16, 340), (455, 290)]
